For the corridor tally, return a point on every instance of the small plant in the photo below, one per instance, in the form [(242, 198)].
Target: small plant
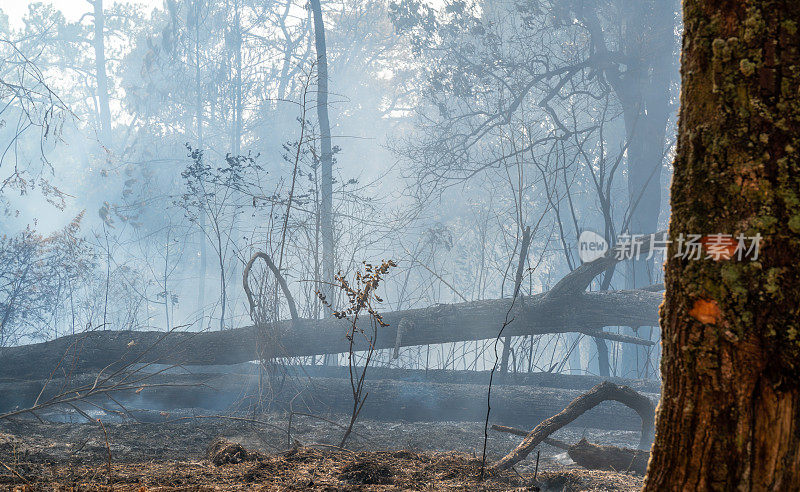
[(361, 298)]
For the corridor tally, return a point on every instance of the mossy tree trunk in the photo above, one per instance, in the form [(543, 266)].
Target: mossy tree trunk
[(729, 418)]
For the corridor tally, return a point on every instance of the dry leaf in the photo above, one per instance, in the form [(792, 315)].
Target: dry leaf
[(706, 311)]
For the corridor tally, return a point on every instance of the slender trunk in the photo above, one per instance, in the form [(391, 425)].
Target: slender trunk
[(236, 136), (236, 133), (165, 277), (201, 284), (100, 73), (574, 346), (201, 287), (223, 294), (505, 355), (326, 158), (730, 411), (108, 278), (603, 367)]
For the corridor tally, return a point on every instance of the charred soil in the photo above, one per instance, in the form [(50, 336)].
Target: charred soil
[(257, 454)]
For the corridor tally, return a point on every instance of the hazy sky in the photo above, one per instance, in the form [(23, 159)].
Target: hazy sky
[(72, 9)]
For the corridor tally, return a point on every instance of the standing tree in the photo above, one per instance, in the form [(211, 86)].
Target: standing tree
[(326, 159), (104, 111), (729, 414)]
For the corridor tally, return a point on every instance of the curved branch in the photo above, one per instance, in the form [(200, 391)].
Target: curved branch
[(600, 393), (278, 276)]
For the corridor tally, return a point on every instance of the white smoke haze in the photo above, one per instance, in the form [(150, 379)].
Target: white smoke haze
[(453, 126)]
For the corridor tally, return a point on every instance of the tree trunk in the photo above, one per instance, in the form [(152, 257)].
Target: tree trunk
[(477, 320), (730, 414), (326, 157), (326, 161), (563, 309), (198, 93), (100, 72)]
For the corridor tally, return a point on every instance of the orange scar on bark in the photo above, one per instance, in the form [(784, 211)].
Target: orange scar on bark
[(706, 311)]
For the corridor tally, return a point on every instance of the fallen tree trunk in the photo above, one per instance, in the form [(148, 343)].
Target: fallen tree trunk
[(388, 400), (541, 379), (586, 313), (597, 457), (565, 308)]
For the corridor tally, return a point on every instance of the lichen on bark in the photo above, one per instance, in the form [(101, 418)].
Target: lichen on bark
[(730, 412)]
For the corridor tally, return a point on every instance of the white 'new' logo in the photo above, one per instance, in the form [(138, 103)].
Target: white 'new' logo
[(591, 246)]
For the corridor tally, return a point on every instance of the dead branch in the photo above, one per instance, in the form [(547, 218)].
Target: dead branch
[(128, 375), (108, 447), (600, 393), (594, 456), (579, 279), (15, 472), (519, 432), (278, 276)]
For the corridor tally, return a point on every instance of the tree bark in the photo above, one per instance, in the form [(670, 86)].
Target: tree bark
[(730, 414)]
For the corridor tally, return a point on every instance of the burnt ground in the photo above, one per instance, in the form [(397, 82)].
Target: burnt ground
[(174, 455)]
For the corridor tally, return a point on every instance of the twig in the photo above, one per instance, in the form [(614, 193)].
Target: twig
[(326, 420), (526, 239), (334, 446), (519, 432), (108, 448), (15, 472)]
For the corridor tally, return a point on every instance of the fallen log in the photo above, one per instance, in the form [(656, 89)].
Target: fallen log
[(599, 394), (597, 457), (476, 320), (542, 379), (388, 400), (565, 308)]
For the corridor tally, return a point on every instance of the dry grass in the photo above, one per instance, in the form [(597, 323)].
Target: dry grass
[(180, 456), (301, 469), (304, 469)]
